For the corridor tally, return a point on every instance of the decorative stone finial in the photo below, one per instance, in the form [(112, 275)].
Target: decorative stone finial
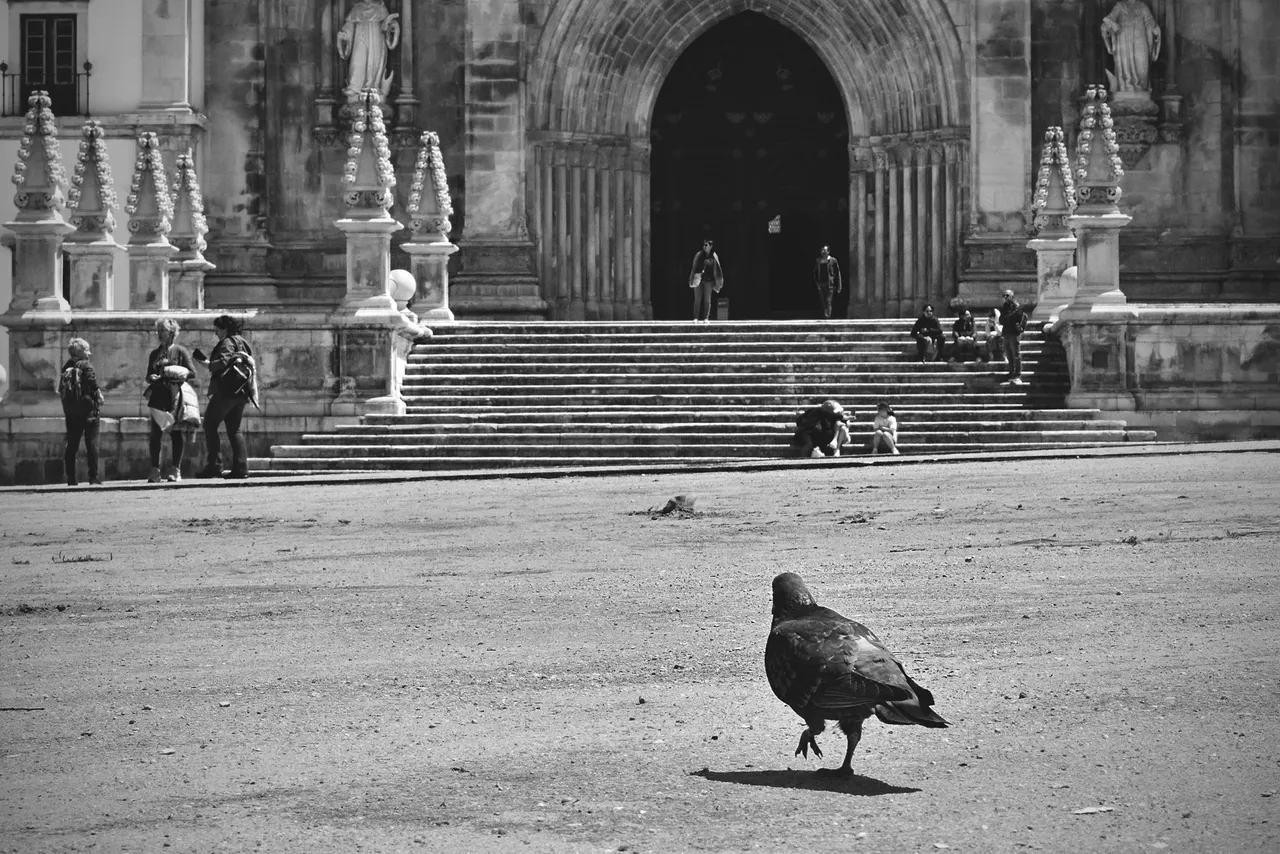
[(1098, 166), (429, 204), (1055, 196), (38, 173), (368, 175), (93, 192), (189, 225), (149, 206)]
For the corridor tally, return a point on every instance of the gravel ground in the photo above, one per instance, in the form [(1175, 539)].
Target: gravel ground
[(549, 666)]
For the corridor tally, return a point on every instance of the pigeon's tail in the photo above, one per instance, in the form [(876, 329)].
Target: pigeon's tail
[(915, 711)]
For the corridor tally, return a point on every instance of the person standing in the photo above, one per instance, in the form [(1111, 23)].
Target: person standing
[(927, 330), (164, 393), (1013, 320), (826, 278), (705, 279), (81, 407), (231, 386)]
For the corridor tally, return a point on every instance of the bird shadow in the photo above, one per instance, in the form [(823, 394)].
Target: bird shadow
[(790, 779)]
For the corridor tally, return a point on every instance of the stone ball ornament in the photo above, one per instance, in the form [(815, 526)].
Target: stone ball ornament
[(402, 286)]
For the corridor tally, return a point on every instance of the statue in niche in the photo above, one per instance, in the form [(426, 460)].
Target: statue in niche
[(367, 37), (1132, 38)]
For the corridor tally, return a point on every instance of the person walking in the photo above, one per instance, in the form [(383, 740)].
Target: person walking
[(232, 384), (81, 407), (826, 278), (706, 278), (1013, 320), (169, 365)]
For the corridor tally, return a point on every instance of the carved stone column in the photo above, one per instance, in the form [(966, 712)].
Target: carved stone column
[(429, 248), (188, 266), (39, 227), (881, 160), (368, 181), (912, 287), (150, 211), (92, 249), (1054, 245)]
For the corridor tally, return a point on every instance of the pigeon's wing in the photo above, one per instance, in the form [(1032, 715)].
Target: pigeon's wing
[(829, 667)]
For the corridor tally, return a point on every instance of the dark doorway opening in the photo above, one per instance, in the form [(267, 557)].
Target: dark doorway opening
[(750, 148)]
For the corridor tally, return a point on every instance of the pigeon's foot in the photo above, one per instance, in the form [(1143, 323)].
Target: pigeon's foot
[(842, 771), (807, 741)]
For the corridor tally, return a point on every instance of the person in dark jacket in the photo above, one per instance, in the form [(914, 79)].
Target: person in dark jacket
[(1012, 322), (927, 329), (826, 278), (229, 393), (706, 278), (81, 407), (821, 430), (963, 347), (163, 394)]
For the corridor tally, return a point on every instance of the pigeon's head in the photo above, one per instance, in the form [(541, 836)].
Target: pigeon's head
[(790, 597)]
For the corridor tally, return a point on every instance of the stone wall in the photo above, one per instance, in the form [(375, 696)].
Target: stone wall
[(1198, 372), (316, 370)]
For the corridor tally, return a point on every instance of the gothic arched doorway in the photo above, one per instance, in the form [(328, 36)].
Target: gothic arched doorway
[(750, 146)]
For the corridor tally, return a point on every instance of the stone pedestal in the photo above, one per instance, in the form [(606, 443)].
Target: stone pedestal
[(186, 282), (496, 279), (1098, 263), (92, 272), (1053, 255), (1134, 115), (429, 262), (369, 266), (149, 275), (37, 265)]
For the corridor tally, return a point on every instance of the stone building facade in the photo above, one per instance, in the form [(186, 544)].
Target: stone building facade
[(547, 110)]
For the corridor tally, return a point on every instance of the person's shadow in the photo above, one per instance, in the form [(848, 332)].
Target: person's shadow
[(789, 779)]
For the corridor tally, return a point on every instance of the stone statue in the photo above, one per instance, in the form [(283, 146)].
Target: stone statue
[(1132, 37), (367, 36)]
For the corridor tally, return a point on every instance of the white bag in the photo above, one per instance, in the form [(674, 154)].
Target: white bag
[(190, 407), (696, 280), (163, 419)]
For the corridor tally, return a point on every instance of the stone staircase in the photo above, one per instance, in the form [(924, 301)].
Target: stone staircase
[(486, 395)]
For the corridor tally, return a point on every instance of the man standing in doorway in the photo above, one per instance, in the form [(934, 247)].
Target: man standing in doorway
[(826, 278)]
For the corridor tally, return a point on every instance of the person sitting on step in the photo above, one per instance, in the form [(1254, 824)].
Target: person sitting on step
[(821, 430), (884, 430), (962, 341), (994, 349), (928, 334)]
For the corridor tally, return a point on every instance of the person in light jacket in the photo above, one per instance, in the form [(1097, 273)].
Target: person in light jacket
[(705, 279)]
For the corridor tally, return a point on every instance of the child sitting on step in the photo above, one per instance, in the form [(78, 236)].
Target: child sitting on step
[(884, 430)]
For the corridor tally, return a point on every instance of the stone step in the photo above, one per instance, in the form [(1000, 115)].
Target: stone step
[(678, 414), (400, 433), (509, 461), (845, 368), (765, 441), (863, 400)]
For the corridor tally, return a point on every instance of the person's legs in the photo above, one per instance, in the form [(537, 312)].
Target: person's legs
[(890, 445), (706, 297), (922, 346), (824, 294), (239, 447), (1016, 358), (697, 299), (154, 438), (91, 449), (213, 415), (75, 429), (937, 348), (178, 441)]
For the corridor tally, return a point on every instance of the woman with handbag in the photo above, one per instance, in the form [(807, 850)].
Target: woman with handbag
[(706, 278), (232, 385), (168, 367)]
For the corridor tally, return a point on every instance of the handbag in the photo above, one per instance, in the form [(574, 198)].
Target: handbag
[(190, 407), (163, 419), (696, 280)]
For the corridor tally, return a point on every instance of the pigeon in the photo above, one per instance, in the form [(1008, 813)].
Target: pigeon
[(828, 667)]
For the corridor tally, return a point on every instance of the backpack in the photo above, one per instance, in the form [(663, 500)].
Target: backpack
[(236, 378), (70, 389)]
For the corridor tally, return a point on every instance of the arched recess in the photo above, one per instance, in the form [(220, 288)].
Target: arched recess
[(594, 79)]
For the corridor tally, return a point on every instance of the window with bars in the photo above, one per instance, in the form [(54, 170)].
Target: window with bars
[(49, 60)]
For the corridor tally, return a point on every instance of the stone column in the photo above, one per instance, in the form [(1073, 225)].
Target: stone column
[(368, 181), (39, 226), (91, 248), (166, 55), (881, 160), (1097, 219), (150, 211), (429, 248), (1001, 144), (925, 282), (1054, 245), (497, 276), (912, 289), (188, 266)]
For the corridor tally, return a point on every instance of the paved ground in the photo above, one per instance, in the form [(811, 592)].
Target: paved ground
[(542, 665)]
